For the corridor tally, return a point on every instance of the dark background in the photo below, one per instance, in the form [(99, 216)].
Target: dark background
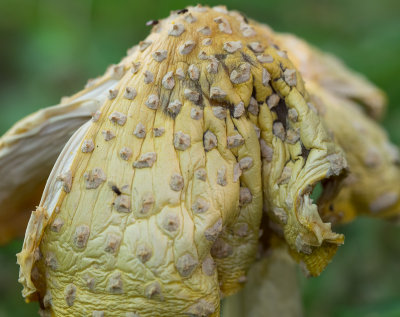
[(49, 49)]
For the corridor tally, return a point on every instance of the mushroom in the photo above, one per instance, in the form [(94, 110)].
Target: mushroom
[(167, 223)]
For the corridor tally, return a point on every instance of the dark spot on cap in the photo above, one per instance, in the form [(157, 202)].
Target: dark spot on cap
[(304, 152), (195, 85), (281, 111), (220, 57), (231, 109), (254, 92), (248, 59)]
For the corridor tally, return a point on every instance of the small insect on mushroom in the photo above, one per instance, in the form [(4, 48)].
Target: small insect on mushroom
[(182, 11), (116, 190), (212, 127), (152, 22)]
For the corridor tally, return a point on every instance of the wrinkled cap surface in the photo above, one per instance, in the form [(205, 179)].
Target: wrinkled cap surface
[(154, 206)]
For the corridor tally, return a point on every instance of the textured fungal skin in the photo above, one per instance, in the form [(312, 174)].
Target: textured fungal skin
[(212, 126), (349, 106), (372, 187)]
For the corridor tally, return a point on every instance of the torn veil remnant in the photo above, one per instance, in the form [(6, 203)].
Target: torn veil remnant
[(210, 126)]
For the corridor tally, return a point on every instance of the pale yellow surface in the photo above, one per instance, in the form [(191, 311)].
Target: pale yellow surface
[(346, 101), (154, 207)]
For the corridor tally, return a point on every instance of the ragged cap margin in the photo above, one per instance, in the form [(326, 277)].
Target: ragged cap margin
[(320, 153)]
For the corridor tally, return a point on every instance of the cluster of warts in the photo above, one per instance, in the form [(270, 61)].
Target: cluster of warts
[(221, 109)]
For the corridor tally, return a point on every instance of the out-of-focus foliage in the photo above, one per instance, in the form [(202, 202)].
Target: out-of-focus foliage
[(50, 48)]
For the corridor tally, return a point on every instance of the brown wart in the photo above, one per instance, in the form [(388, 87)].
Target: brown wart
[(125, 153), (115, 284), (186, 264), (200, 205), (87, 146), (171, 222), (66, 179), (143, 252), (113, 242), (94, 178), (81, 236), (212, 233), (89, 281), (153, 291), (70, 294), (145, 160), (122, 203), (118, 118), (130, 93)]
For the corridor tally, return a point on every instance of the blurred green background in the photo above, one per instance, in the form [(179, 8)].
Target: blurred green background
[(50, 48)]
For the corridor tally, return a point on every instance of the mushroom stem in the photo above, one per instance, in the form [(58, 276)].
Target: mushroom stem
[(272, 289)]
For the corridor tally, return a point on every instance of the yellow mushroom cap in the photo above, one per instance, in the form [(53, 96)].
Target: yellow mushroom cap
[(154, 206)]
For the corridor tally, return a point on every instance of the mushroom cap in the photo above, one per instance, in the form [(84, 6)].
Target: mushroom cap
[(30, 148), (350, 107), (158, 199), (327, 74)]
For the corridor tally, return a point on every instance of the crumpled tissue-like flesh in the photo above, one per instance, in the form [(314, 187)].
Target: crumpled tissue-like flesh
[(154, 206)]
